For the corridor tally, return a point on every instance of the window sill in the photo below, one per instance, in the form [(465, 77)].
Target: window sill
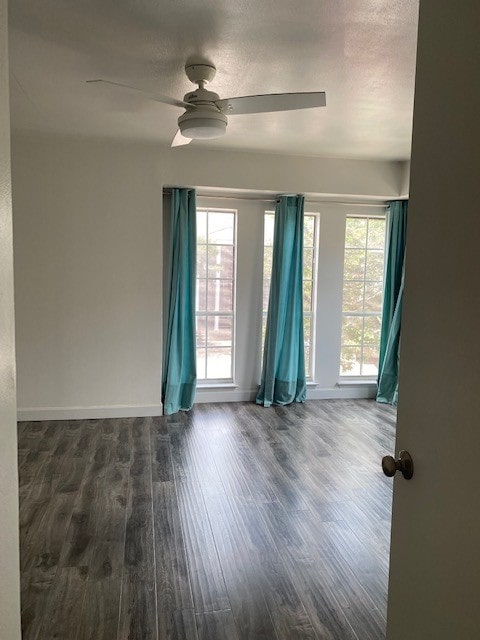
[(217, 385), (356, 382), (310, 384)]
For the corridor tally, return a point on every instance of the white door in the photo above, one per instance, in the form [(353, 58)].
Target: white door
[(434, 590)]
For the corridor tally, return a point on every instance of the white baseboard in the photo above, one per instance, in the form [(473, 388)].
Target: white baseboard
[(349, 391), (88, 413)]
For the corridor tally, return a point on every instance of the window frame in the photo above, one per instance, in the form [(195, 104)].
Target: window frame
[(212, 382), (352, 314)]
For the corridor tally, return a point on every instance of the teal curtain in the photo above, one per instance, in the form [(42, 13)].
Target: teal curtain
[(283, 374), (179, 361), (392, 302)]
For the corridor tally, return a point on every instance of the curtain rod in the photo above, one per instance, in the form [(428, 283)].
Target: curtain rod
[(274, 199)]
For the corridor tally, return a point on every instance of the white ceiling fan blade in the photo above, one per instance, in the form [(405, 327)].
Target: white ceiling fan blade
[(180, 140), (157, 97), (272, 102)]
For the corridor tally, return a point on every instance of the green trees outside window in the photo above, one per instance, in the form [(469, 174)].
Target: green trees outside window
[(362, 295)]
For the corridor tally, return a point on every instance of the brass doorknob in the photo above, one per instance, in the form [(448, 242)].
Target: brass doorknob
[(403, 463)]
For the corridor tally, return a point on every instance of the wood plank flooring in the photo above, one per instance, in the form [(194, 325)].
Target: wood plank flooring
[(231, 522)]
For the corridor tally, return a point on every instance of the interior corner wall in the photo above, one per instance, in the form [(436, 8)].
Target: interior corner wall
[(9, 543), (88, 259)]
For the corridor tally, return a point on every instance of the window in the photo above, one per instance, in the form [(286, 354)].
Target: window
[(310, 242), (215, 312), (362, 295)]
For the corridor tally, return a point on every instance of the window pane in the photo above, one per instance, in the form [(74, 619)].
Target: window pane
[(201, 261), (266, 294), (350, 361), (362, 295), (264, 328), (201, 364), (371, 331), (307, 295), (307, 361), (376, 233), (370, 361), (267, 262), (200, 331), (354, 264), (201, 294), (308, 264), (374, 265), (268, 229), (308, 231), (215, 290), (219, 331), (356, 232), (352, 330), (220, 227), (373, 296), (219, 363), (353, 296), (201, 226), (220, 295), (220, 262), (307, 330)]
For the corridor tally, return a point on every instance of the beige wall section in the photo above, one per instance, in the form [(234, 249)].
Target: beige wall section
[(88, 258), (9, 554), (194, 166), (87, 229)]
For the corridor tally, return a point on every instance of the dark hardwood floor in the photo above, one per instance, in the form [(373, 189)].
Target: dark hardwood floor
[(230, 522)]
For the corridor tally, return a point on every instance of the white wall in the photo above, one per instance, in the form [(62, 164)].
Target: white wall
[(194, 166), (88, 260), (9, 549), (87, 231)]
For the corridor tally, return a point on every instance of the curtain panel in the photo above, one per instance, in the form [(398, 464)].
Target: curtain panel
[(283, 373), (389, 359), (179, 356)]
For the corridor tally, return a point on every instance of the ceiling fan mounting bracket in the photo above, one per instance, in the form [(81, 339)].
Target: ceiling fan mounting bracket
[(200, 73)]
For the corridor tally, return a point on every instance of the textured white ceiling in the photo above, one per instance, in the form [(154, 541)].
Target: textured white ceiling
[(361, 52)]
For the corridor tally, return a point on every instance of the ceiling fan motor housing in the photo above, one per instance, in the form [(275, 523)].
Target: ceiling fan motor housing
[(204, 120)]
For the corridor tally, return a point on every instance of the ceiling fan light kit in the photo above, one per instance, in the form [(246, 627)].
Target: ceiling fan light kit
[(204, 116), (200, 124)]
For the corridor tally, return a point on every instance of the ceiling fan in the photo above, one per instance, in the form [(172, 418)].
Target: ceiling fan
[(205, 113)]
